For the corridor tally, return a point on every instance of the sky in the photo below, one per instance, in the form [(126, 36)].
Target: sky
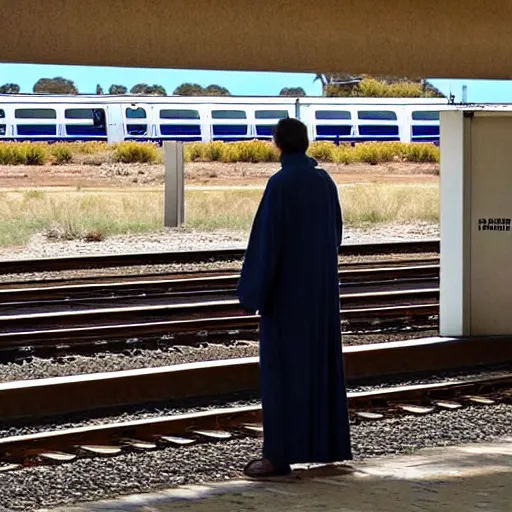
[(243, 83)]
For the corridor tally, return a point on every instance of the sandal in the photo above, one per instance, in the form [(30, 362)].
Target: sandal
[(263, 468)]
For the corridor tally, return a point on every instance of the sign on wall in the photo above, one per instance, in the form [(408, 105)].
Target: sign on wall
[(494, 224)]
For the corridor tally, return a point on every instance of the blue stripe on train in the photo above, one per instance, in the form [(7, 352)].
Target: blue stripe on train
[(426, 130)]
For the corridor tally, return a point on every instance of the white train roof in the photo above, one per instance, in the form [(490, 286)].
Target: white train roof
[(230, 100)]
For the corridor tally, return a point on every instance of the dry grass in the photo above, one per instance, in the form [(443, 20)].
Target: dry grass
[(93, 215), (256, 151)]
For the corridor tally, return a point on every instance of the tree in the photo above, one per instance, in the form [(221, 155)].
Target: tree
[(10, 89), (57, 85), (99, 89), (292, 91), (216, 90), (117, 89), (347, 85), (188, 90), (150, 90)]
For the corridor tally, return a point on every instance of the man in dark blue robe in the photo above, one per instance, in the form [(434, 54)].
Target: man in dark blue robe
[(290, 276)]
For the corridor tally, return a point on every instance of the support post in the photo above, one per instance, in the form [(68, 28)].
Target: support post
[(453, 314), (174, 207)]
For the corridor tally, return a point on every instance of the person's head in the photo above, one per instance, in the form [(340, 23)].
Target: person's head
[(291, 136)]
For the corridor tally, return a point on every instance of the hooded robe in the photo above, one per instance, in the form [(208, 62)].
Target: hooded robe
[(290, 275)]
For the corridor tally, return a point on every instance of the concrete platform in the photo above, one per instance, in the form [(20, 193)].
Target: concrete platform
[(455, 479)]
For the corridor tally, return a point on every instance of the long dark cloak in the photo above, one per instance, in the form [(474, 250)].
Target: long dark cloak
[(290, 275)]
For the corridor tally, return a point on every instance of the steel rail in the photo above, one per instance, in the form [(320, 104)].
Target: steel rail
[(184, 311), (205, 425), (78, 393), (76, 336), (175, 287), (165, 258)]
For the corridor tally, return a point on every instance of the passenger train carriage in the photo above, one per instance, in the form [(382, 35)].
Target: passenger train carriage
[(157, 119)]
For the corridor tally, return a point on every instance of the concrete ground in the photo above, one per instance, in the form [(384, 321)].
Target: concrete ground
[(452, 479)]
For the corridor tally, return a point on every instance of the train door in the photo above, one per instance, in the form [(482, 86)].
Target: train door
[(138, 122), (113, 120)]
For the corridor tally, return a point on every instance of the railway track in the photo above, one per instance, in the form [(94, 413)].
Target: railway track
[(84, 393), (165, 258), (215, 283), (99, 325), (92, 314), (110, 439), (83, 314)]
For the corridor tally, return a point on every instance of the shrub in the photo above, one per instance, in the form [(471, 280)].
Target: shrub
[(24, 153), (257, 151), (132, 152), (372, 88), (36, 154), (422, 153), (322, 151), (194, 151), (62, 153), (215, 151)]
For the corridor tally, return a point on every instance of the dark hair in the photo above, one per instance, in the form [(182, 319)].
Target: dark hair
[(291, 136)]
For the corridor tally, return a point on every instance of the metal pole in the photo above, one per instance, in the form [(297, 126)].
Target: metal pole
[(174, 208)]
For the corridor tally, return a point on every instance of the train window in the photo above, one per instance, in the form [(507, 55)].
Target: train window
[(37, 129), (264, 130), (137, 129), (3, 129), (135, 113), (180, 129), (334, 130), (425, 115), (426, 131), (2, 113), (229, 114), (229, 129), (377, 115), (35, 113), (271, 114), (86, 130), (378, 130), (98, 128), (332, 114), (179, 114), (81, 113)]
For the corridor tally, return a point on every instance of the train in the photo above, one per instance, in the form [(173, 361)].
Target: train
[(113, 119)]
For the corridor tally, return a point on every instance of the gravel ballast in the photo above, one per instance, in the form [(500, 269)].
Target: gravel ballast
[(112, 274), (94, 479), (179, 239)]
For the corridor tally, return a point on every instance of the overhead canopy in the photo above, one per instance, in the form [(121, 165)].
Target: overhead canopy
[(434, 38)]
